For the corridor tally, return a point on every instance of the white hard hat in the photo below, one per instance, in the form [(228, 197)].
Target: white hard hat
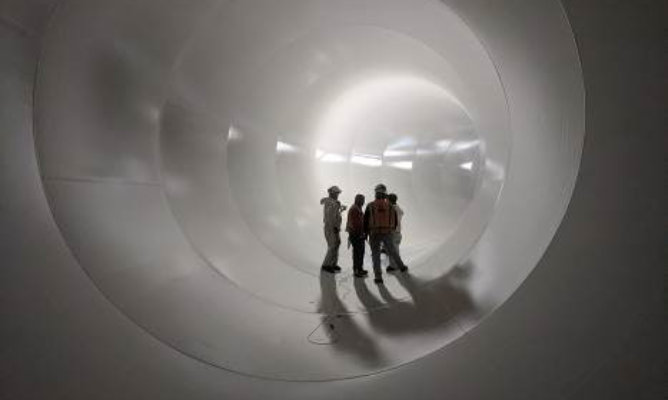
[(380, 188)]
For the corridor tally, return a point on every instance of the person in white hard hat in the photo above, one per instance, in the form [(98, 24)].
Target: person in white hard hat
[(332, 210), (380, 221)]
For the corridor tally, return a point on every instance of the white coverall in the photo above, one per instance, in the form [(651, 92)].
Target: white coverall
[(396, 235), (332, 220)]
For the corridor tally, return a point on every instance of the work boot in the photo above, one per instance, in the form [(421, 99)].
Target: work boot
[(403, 268), (328, 268), (360, 273), (390, 269), (336, 268), (378, 280)]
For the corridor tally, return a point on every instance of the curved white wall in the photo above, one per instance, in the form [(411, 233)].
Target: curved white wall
[(149, 195)]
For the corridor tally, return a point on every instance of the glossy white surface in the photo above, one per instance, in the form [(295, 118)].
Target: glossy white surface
[(134, 103), (185, 171)]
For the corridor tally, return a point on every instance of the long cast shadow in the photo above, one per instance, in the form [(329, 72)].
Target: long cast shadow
[(339, 329), (434, 305)]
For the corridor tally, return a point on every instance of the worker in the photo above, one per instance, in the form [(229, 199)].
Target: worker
[(356, 235), (332, 210), (380, 221), (396, 235)]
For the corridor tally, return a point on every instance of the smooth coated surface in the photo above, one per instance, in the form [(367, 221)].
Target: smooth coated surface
[(323, 94), (578, 324)]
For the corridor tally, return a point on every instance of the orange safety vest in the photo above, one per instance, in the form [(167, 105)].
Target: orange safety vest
[(382, 218)]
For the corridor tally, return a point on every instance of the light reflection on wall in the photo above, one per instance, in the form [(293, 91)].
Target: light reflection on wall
[(368, 160), (411, 134)]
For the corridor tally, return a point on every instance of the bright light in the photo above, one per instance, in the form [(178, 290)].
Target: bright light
[(396, 153), (444, 144), (324, 156), (282, 147), (405, 165), (403, 143), (368, 160), (234, 134), (426, 152), (467, 166), (465, 145), (333, 158)]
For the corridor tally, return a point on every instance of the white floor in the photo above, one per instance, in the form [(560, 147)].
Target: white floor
[(162, 169)]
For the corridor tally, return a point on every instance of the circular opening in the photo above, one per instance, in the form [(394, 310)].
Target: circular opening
[(326, 109), (186, 174)]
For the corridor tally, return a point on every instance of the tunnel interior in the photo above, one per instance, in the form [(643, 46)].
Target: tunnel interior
[(178, 151), (188, 185)]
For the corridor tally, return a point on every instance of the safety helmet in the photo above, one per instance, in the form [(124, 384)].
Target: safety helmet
[(380, 188), (334, 189)]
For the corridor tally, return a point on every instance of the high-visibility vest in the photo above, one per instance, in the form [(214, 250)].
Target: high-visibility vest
[(382, 218)]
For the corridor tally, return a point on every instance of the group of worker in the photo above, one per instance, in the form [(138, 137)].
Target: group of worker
[(380, 223)]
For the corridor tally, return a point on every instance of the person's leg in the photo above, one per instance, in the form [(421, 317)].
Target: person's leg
[(397, 242), (374, 243), (352, 242), (388, 242), (393, 264), (396, 239), (390, 250), (362, 250), (358, 257), (355, 242), (335, 252), (329, 260)]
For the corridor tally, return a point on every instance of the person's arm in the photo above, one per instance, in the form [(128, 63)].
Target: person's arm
[(400, 216), (363, 230), (330, 214), (367, 215), (338, 221), (335, 212)]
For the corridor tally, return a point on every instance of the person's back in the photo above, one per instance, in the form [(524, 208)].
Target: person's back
[(355, 222), (382, 218), (380, 221), (356, 235)]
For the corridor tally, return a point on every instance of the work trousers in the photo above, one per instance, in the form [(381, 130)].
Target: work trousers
[(333, 239), (358, 245), (375, 240), (396, 239)]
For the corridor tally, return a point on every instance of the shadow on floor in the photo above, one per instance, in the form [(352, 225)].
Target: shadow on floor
[(339, 328), (433, 306)]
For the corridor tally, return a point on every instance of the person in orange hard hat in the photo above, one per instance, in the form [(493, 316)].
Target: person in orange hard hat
[(332, 210), (380, 221)]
